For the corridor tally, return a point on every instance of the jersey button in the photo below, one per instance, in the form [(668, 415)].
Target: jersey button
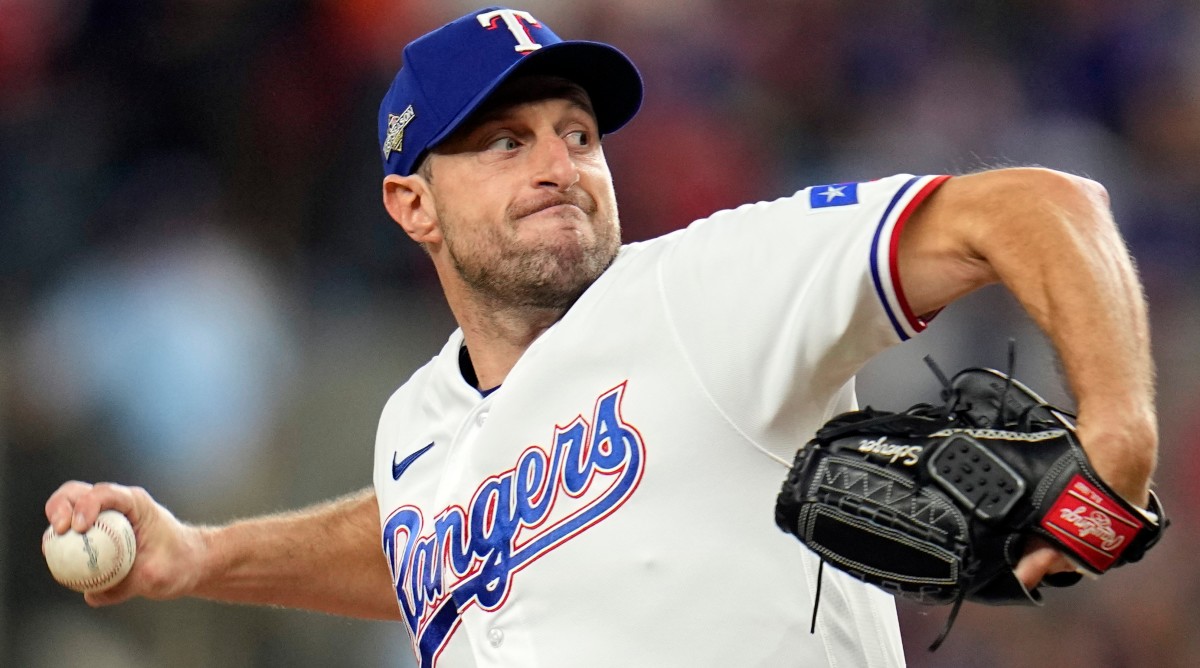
[(481, 418), (496, 637)]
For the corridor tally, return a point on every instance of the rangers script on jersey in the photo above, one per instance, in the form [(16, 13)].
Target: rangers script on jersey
[(611, 504)]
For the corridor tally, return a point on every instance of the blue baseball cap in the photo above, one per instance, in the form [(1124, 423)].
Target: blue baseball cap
[(448, 73)]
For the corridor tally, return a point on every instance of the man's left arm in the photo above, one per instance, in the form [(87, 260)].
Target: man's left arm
[(1050, 239)]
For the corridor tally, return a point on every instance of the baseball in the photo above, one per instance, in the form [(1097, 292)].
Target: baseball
[(95, 560)]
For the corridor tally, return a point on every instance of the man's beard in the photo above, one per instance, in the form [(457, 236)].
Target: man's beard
[(546, 274)]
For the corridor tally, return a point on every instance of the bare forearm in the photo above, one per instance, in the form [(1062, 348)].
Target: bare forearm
[(1059, 253), (1050, 239), (325, 558)]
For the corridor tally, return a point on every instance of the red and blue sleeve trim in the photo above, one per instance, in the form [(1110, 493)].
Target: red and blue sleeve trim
[(884, 267)]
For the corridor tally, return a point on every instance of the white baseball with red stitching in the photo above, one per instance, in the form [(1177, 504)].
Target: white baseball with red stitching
[(95, 560)]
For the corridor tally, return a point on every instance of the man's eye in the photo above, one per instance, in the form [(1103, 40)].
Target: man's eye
[(503, 144), (579, 138)]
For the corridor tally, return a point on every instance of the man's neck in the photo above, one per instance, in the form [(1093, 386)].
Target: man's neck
[(496, 338)]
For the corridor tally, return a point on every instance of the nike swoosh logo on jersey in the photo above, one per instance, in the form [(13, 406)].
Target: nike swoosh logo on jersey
[(398, 468)]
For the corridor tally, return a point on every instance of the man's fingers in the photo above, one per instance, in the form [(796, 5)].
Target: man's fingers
[(105, 496), (1040, 560), (76, 504), (60, 507), (118, 594)]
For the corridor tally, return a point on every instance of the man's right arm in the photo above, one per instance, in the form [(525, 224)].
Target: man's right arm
[(325, 557)]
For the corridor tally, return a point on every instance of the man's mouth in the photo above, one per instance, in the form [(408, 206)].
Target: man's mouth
[(554, 206)]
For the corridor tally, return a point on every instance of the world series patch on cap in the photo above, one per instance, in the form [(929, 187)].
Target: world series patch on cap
[(448, 73)]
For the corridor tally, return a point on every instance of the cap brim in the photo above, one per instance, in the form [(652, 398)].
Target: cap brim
[(608, 76)]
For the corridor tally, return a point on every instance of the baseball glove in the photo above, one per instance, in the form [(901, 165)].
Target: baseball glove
[(934, 504)]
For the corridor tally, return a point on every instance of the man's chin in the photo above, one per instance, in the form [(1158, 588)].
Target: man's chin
[(568, 278)]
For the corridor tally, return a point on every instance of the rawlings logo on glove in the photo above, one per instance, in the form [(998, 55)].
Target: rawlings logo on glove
[(934, 504)]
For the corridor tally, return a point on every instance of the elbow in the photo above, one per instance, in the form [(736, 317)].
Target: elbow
[(1029, 201), (1068, 191), (1097, 192), (1092, 192)]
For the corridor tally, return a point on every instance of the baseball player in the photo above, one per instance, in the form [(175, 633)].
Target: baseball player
[(585, 474)]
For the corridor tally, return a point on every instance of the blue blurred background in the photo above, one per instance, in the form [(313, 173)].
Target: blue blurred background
[(201, 293)]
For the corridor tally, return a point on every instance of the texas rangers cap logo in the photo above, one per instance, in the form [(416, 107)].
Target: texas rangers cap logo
[(516, 22), (395, 134)]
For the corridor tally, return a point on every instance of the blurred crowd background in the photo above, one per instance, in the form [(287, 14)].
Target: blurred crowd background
[(200, 292)]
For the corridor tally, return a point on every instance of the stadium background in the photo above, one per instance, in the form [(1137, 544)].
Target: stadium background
[(202, 294)]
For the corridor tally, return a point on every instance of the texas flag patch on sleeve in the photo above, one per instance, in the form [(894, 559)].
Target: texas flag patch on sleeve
[(838, 194)]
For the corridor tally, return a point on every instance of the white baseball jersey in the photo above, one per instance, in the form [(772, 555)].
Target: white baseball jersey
[(612, 503)]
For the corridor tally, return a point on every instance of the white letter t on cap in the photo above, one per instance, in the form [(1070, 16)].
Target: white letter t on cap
[(512, 20)]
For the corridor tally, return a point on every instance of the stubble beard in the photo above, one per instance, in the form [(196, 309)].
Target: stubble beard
[(546, 274)]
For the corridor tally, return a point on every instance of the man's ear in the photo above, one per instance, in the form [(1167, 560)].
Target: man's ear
[(409, 201)]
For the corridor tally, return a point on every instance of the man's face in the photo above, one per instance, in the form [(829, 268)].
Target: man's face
[(524, 197)]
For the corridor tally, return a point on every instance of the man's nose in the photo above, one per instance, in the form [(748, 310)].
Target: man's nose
[(556, 167)]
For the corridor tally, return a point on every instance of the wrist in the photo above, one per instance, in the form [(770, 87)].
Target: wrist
[(1123, 452), (208, 560)]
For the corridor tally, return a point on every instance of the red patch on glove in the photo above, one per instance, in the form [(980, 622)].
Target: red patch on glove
[(1093, 524)]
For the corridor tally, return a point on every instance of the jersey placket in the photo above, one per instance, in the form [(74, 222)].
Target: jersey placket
[(496, 638), (488, 639)]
